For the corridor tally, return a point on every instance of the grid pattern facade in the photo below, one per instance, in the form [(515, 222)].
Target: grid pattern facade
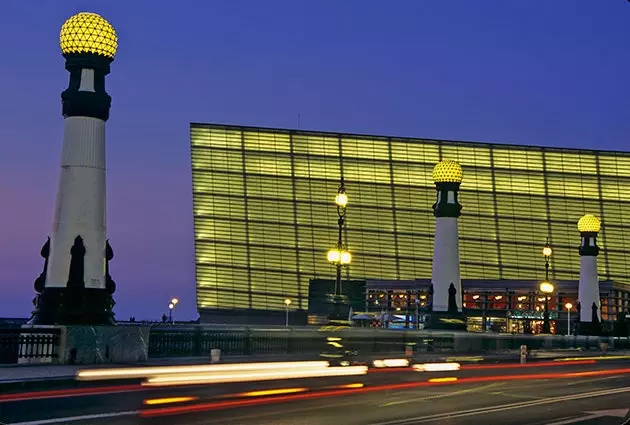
[(264, 213)]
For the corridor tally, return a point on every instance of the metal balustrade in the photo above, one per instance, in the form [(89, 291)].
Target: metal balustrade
[(28, 343), (172, 341)]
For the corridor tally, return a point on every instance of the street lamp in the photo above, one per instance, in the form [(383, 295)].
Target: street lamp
[(547, 251), (171, 306), (339, 256), (287, 303), (568, 306), (546, 288)]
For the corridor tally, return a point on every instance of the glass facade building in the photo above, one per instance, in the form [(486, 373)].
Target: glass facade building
[(264, 212)]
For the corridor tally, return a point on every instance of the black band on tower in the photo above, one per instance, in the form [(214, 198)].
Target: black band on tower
[(95, 103), (589, 244), (442, 206)]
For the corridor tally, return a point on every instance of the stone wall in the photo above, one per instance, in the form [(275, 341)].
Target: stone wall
[(104, 344)]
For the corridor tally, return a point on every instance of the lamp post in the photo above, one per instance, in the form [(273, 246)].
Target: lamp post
[(546, 252), (287, 303), (171, 306), (339, 255), (546, 288), (568, 306), (417, 313)]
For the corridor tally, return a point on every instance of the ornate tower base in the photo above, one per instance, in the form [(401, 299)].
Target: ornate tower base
[(75, 304)]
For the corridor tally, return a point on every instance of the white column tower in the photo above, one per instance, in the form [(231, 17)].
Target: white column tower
[(588, 292), (447, 176), (77, 287)]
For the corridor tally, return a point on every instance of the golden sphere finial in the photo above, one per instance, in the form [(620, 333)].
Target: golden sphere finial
[(589, 224), (88, 32), (447, 171)]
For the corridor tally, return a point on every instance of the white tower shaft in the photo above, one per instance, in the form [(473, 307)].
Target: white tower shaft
[(588, 292), (80, 208), (446, 263)]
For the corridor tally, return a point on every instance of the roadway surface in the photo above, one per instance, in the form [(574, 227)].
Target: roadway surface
[(582, 394)]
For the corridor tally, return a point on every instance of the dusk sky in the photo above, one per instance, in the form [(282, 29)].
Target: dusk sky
[(538, 72)]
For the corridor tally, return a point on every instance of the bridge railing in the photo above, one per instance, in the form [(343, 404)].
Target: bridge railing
[(198, 341), (29, 344)]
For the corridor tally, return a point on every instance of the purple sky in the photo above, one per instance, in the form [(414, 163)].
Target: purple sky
[(515, 71)]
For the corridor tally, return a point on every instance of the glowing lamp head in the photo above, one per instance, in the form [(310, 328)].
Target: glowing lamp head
[(546, 287), (171, 306), (447, 171), (88, 33), (334, 255), (568, 306), (345, 257), (547, 251), (287, 301), (174, 301), (589, 224), (341, 200)]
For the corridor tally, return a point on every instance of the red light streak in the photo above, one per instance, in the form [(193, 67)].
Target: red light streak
[(32, 395), (331, 393), (525, 365)]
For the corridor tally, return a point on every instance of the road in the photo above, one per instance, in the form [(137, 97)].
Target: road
[(584, 394)]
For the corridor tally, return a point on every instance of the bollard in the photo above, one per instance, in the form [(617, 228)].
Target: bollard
[(408, 351), (523, 354), (215, 355)]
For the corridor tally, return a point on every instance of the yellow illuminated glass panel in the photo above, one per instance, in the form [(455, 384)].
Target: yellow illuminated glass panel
[(318, 191), (218, 160), (373, 218), (471, 250), (478, 179), (366, 171), (518, 158), (216, 183), (414, 175), (370, 195), (364, 148), (317, 167), (316, 145), (477, 203), (569, 162), (265, 141), (467, 156), (416, 151), (414, 268), (473, 226), (614, 164), (215, 138), (267, 164), (414, 222)]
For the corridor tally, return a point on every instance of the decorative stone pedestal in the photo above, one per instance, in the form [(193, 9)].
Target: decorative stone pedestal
[(105, 344), (588, 328)]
